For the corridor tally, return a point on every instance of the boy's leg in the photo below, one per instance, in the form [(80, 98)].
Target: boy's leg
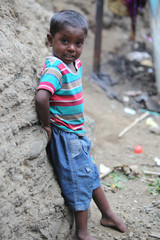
[(81, 219), (108, 219)]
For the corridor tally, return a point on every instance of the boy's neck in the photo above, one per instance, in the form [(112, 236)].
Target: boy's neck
[(72, 66)]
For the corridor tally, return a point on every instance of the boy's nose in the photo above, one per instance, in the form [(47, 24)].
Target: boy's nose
[(71, 47)]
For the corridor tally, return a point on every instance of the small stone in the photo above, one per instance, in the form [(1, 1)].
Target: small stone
[(131, 234)]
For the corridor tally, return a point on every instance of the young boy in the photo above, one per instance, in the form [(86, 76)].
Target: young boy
[(59, 103)]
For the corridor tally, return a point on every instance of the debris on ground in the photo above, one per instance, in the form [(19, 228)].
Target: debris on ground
[(120, 175), (130, 170), (151, 173), (155, 235), (138, 56), (150, 122), (154, 129), (116, 181), (157, 161), (154, 187), (104, 171), (106, 83), (144, 115), (129, 111), (137, 68), (138, 149), (153, 126)]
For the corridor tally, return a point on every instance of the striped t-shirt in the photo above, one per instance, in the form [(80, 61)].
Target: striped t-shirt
[(66, 101)]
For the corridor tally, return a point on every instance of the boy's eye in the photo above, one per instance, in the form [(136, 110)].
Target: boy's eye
[(79, 44), (64, 41)]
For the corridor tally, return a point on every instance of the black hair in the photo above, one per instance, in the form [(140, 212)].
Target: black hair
[(67, 17)]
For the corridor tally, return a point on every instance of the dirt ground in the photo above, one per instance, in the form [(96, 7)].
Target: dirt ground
[(131, 200)]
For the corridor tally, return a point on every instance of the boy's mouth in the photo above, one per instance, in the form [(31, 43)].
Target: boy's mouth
[(69, 56)]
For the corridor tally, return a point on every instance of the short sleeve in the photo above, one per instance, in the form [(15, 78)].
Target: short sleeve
[(50, 79)]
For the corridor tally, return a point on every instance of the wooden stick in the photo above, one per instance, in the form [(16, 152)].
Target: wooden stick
[(144, 115), (156, 235), (152, 173)]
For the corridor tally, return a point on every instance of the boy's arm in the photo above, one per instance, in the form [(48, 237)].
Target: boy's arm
[(42, 107)]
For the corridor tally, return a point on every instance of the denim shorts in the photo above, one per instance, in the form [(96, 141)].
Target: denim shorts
[(77, 174)]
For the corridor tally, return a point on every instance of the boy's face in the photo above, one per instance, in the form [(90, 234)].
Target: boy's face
[(67, 44)]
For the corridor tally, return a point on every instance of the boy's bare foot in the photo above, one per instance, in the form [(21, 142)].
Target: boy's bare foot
[(114, 222)]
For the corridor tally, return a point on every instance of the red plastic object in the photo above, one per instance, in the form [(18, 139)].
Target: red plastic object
[(138, 149)]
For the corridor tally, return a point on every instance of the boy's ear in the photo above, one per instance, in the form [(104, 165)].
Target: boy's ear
[(50, 40)]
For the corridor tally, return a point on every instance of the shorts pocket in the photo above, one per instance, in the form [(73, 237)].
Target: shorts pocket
[(84, 146), (75, 147)]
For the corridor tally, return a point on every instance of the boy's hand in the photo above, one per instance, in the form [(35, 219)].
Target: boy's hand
[(48, 129)]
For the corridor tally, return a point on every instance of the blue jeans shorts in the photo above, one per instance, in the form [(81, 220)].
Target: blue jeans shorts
[(77, 174)]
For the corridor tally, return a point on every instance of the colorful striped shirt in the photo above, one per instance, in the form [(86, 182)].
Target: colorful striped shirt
[(66, 101)]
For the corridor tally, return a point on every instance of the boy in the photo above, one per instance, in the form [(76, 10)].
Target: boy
[(59, 103)]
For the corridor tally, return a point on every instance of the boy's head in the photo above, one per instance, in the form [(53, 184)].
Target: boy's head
[(68, 30), (67, 17)]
